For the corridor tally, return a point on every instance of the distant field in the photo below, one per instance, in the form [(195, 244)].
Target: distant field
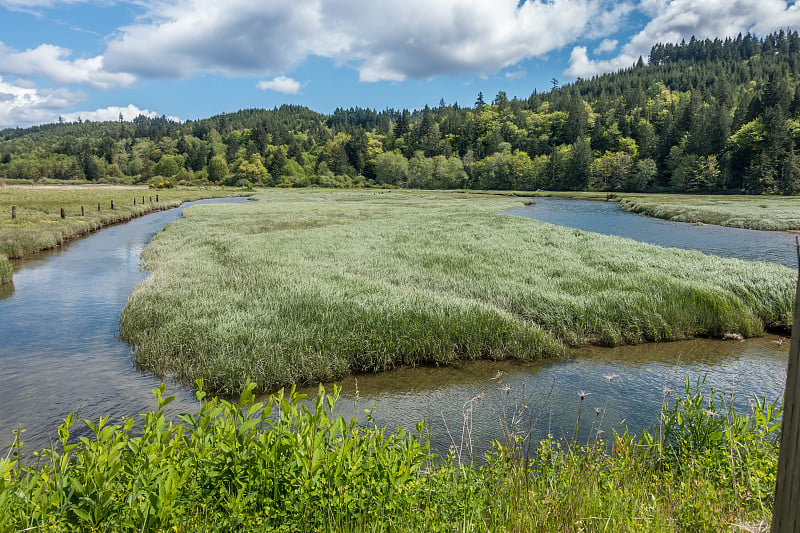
[(38, 224), (312, 284)]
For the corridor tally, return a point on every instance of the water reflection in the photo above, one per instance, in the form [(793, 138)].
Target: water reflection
[(58, 326), (478, 402)]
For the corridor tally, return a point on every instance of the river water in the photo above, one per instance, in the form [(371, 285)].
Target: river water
[(58, 324), (59, 353)]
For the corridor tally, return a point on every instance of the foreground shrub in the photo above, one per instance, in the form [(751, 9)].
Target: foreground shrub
[(281, 466)]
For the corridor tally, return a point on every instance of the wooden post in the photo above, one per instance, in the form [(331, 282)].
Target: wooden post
[(13, 212), (156, 198), (98, 206), (112, 204), (786, 513), (134, 201), (63, 214), (142, 199), (151, 199), (81, 210)]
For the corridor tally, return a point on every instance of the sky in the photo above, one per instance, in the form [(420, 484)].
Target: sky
[(192, 59)]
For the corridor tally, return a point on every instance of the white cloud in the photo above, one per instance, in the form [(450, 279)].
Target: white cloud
[(112, 113), (382, 39), (24, 105), (282, 84), (53, 62), (608, 45), (516, 75), (673, 20)]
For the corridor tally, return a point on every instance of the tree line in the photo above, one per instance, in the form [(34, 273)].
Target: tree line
[(703, 116)]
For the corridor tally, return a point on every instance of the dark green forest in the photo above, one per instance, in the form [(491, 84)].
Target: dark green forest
[(699, 116)]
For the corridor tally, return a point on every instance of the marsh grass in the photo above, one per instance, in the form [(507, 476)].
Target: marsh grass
[(5, 270), (303, 286), (39, 225), (280, 466), (775, 213)]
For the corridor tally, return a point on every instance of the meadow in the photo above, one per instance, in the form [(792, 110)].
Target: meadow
[(38, 224), (279, 466), (309, 285)]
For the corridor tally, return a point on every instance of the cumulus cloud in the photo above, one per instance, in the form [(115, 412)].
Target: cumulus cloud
[(112, 113), (281, 84), (24, 105), (673, 20), (516, 75), (53, 61), (383, 39), (608, 45)]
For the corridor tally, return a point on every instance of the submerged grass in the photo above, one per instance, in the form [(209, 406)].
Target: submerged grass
[(38, 224), (310, 285), (282, 467)]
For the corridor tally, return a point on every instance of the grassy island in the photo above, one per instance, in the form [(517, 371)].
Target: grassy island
[(313, 284)]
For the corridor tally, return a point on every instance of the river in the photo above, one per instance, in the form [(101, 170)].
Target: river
[(60, 353)]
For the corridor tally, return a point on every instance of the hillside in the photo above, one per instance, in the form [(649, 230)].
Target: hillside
[(702, 116)]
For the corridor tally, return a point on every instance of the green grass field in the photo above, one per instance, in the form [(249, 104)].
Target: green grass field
[(313, 284), (38, 224)]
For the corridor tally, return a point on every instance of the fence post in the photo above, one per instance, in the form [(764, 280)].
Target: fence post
[(63, 214), (81, 210), (13, 212), (156, 198), (112, 204), (98, 206), (786, 513), (134, 201)]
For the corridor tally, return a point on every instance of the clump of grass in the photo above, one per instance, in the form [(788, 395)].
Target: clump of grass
[(5, 270), (280, 466), (310, 285)]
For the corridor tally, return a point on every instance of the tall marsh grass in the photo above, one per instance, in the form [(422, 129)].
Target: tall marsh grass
[(279, 466), (304, 286), (5, 270)]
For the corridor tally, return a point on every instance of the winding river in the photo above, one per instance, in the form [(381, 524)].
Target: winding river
[(59, 351)]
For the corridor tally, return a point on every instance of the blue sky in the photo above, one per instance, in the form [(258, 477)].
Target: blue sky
[(191, 59)]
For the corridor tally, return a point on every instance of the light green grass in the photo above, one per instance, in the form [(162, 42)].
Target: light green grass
[(310, 285), (39, 226)]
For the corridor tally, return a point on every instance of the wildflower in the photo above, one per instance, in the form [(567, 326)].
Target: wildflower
[(583, 394), (611, 377), (598, 410), (668, 390), (497, 376)]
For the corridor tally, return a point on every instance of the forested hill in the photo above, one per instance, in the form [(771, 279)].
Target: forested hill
[(702, 116)]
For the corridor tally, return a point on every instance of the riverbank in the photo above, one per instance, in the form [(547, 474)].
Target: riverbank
[(304, 286), (31, 221), (766, 213), (234, 465)]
